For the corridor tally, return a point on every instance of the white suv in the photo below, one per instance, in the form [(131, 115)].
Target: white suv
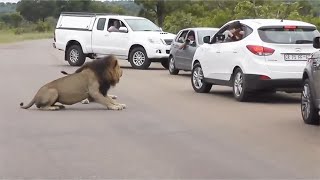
[(270, 56), (138, 39)]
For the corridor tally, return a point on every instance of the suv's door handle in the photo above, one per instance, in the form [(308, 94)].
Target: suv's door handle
[(235, 51), (218, 51)]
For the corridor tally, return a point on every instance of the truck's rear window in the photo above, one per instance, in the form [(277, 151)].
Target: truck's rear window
[(288, 34)]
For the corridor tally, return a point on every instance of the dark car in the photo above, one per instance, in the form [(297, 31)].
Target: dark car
[(310, 96), (182, 50)]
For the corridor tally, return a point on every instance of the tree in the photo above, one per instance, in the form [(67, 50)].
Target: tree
[(157, 10), (33, 10), (12, 19)]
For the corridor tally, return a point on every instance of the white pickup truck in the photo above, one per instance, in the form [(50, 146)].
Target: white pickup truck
[(136, 39)]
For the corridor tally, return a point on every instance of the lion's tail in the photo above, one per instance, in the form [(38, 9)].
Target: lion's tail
[(63, 72), (29, 105)]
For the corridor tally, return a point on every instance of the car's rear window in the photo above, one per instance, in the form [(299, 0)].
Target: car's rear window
[(288, 34)]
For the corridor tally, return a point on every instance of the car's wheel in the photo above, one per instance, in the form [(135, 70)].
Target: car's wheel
[(75, 56), (310, 113), (197, 80), (172, 67), (239, 90), (165, 63), (138, 58)]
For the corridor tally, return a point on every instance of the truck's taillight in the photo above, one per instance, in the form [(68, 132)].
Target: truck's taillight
[(260, 50)]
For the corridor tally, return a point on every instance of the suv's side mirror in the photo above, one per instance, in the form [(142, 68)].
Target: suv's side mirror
[(206, 39), (123, 29), (316, 42)]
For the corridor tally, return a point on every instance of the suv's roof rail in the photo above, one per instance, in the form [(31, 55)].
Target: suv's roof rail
[(85, 13)]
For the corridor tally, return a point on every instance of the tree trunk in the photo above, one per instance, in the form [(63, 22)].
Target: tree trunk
[(160, 12)]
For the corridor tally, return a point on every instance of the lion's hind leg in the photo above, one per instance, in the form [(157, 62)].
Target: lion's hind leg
[(46, 100)]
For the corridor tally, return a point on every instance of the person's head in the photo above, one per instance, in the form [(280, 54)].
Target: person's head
[(191, 37), (236, 26), (116, 24)]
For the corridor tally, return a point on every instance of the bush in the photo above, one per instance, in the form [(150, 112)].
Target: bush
[(42, 26)]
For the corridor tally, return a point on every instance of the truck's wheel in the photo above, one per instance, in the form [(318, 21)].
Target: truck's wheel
[(165, 63), (138, 58), (75, 55)]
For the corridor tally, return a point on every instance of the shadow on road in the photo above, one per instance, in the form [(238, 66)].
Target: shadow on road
[(150, 68), (275, 98)]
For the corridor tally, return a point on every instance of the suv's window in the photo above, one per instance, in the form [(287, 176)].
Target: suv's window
[(142, 25), (101, 24), (288, 34), (246, 31), (202, 33), (182, 36)]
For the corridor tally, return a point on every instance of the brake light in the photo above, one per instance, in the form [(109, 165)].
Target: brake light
[(260, 50), (290, 27), (264, 77)]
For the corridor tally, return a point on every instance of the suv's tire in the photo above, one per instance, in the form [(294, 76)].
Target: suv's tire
[(239, 89), (197, 80), (138, 58), (172, 66), (309, 112), (165, 63), (75, 56)]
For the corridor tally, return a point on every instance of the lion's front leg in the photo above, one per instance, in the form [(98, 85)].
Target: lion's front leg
[(116, 103), (112, 96), (99, 98)]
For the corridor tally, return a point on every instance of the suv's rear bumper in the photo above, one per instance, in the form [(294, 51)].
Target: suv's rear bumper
[(254, 82)]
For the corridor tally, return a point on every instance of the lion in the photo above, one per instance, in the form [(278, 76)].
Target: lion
[(87, 83), (103, 88)]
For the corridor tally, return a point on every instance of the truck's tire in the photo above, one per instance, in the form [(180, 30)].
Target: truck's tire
[(165, 63), (138, 58), (75, 56)]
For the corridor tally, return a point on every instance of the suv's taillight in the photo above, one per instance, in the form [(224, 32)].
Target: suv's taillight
[(260, 50), (54, 36)]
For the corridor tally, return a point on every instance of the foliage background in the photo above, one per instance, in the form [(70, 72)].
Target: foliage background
[(28, 16)]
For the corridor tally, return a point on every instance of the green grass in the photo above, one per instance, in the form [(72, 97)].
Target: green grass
[(9, 36)]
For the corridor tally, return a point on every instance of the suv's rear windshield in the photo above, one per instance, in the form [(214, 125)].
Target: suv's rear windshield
[(288, 35)]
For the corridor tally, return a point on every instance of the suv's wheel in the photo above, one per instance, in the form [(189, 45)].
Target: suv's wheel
[(172, 67), (310, 113), (240, 92), (138, 58), (75, 56), (165, 63), (197, 80)]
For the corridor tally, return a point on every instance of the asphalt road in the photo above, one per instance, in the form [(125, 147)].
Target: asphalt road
[(167, 130)]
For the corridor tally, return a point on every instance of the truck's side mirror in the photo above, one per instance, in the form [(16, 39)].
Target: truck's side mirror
[(123, 29), (206, 39), (316, 42)]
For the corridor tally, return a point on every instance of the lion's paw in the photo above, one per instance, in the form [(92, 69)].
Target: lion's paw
[(123, 106), (115, 107), (86, 101)]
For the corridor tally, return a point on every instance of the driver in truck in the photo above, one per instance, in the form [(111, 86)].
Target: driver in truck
[(115, 27)]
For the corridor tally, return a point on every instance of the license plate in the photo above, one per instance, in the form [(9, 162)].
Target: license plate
[(296, 57)]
